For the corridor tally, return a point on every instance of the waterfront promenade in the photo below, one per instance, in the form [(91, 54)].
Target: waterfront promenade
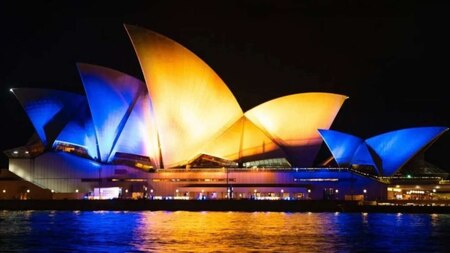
[(228, 205)]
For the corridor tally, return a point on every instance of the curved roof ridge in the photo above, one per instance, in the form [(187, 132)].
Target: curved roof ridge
[(344, 147), (49, 110), (292, 122), (111, 96), (390, 147), (296, 94)]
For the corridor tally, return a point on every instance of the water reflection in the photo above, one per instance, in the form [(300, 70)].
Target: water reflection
[(236, 232), (44, 231)]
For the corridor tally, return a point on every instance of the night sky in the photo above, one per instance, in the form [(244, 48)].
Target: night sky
[(390, 57)]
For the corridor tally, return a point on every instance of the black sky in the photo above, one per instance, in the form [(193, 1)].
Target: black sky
[(390, 57)]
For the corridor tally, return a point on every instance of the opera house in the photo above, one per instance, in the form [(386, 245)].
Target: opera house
[(181, 134)]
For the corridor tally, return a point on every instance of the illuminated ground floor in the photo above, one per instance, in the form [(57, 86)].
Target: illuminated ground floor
[(64, 176)]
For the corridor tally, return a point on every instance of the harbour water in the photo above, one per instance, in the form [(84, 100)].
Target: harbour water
[(182, 231)]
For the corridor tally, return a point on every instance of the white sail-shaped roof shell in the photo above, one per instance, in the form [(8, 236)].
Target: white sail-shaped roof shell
[(191, 103), (292, 122), (121, 112)]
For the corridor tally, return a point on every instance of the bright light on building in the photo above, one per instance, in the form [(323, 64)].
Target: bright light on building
[(52, 191), (200, 123), (106, 192)]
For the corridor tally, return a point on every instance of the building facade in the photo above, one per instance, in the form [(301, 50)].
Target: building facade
[(182, 134)]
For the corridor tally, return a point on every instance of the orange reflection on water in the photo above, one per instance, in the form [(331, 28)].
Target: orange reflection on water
[(234, 232)]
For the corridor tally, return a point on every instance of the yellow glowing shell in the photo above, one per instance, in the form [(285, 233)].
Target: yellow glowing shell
[(243, 141), (293, 120), (192, 105)]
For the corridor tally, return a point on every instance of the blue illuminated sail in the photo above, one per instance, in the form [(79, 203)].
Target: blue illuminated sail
[(362, 156), (392, 149), (342, 146), (139, 135), (80, 131), (48, 110), (397, 147), (111, 96)]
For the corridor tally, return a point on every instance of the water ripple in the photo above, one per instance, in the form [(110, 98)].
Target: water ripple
[(105, 231)]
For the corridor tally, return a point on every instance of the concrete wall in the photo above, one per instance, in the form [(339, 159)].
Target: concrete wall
[(67, 173)]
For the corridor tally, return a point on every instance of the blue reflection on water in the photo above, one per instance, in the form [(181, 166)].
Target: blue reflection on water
[(67, 231), (107, 231), (392, 232)]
